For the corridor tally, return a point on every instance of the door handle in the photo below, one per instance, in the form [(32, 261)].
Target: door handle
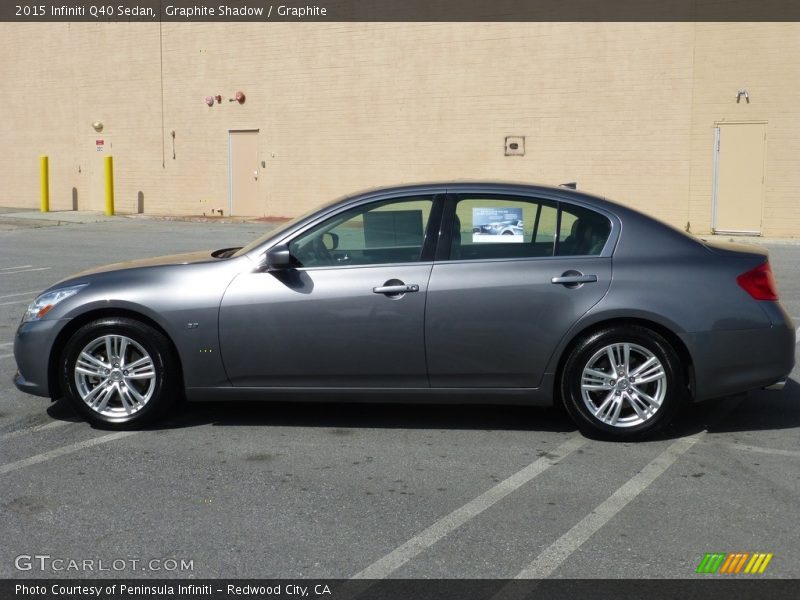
[(573, 279), (395, 289)]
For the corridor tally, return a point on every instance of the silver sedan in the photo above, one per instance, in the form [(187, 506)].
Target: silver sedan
[(391, 296)]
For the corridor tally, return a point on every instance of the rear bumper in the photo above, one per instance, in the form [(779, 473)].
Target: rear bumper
[(778, 385), (736, 361)]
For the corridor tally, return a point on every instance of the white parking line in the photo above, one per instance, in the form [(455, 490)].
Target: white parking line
[(555, 554), (5, 344), (34, 429), (25, 271), (397, 558), (6, 355), (17, 267), (24, 301), (762, 450), (19, 294), (63, 450)]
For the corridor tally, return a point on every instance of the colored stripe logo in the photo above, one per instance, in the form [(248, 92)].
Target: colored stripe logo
[(734, 563)]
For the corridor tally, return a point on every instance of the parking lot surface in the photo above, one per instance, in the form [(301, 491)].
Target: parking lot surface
[(333, 490)]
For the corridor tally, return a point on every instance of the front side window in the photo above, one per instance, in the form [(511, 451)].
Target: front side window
[(389, 231)]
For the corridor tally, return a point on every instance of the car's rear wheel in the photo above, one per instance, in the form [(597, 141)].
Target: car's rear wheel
[(623, 382), (119, 373)]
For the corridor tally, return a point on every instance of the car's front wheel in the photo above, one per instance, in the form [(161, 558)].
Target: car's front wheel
[(623, 382), (119, 372)]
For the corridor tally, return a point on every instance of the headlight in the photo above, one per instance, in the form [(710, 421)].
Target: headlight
[(44, 303)]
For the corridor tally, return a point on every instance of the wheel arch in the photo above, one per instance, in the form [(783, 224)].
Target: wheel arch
[(687, 363), (57, 349)]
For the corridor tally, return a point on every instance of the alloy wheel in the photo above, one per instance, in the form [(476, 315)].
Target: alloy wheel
[(115, 376), (623, 385)]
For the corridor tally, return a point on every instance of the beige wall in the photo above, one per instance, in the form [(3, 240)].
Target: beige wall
[(763, 58), (626, 109)]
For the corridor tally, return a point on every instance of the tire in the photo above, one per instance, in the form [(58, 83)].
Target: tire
[(104, 391), (610, 405)]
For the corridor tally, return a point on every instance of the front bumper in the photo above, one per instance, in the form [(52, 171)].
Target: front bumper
[(33, 344), (29, 387)]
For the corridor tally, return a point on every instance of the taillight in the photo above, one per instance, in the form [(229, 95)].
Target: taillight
[(759, 282)]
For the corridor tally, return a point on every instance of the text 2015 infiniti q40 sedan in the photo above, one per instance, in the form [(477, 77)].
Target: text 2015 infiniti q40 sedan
[(388, 295)]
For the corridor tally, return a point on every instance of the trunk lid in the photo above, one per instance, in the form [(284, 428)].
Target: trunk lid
[(735, 250)]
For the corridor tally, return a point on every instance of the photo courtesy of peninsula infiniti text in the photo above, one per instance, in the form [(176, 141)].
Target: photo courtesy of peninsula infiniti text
[(404, 295)]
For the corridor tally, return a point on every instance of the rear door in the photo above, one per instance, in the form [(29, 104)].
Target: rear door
[(503, 294)]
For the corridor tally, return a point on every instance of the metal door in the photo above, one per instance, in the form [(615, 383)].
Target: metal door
[(738, 189), (243, 174)]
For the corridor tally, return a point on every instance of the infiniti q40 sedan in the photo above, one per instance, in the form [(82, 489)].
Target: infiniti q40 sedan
[(387, 296)]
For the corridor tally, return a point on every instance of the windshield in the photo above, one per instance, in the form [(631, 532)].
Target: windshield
[(274, 232)]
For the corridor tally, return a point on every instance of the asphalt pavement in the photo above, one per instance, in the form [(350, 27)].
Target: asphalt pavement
[(333, 490)]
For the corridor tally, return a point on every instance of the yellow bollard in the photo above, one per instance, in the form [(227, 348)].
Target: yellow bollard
[(108, 163), (44, 182)]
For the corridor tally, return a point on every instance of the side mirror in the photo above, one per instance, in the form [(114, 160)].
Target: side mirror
[(330, 240), (277, 258)]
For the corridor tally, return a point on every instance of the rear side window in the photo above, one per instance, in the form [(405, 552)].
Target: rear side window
[(503, 227), (581, 232), (499, 226)]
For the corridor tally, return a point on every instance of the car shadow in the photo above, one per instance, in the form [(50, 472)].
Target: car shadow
[(755, 411), (758, 410), (350, 415), (371, 416), (60, 410)]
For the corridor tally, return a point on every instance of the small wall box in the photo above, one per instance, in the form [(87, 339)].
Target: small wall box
[(515, 145)]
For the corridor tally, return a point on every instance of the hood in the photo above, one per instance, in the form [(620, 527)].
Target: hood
[(158, 261)]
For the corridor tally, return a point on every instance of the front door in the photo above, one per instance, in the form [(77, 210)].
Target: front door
[(243, 174), (739, 177), (495, 313), (350, 313)]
